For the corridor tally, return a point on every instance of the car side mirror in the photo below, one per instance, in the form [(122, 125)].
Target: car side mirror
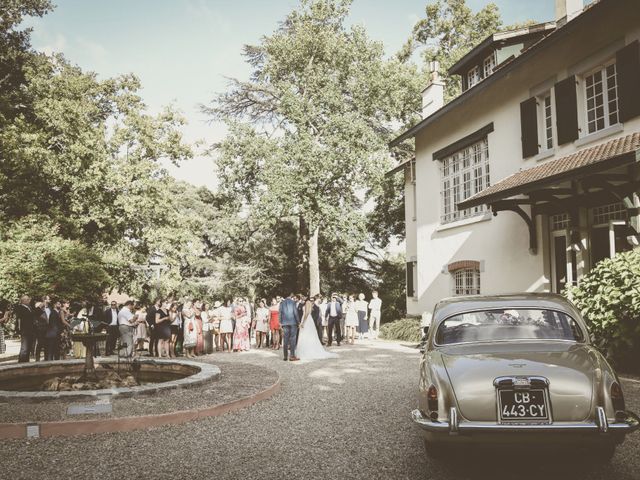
[(425, 330)]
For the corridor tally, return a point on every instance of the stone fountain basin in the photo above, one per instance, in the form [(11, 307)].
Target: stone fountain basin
[(163, 375)]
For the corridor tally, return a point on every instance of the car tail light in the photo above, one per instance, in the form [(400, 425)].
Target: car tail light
[(617, 398), (432, 399)]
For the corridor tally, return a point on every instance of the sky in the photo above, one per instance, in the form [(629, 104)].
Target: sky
[(184, 51)]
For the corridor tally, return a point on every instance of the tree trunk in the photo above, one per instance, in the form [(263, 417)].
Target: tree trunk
[(302, 262), (314, 264)]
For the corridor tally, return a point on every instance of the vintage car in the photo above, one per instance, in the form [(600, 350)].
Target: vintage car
[(516, 369)]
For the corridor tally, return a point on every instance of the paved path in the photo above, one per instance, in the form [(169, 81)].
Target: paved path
[(336, 419)]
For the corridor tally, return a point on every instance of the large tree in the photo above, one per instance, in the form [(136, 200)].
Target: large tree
[(82, 153), (449, 30), (15, 53), (308, 130)]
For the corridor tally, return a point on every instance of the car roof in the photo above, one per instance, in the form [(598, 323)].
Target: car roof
[(552, 301)]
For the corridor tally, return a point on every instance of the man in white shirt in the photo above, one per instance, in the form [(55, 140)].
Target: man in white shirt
[(334, 315), (127, 324), (46, 300), (375, 305), (110, 316)]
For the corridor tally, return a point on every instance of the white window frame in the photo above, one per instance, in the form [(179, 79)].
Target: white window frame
[(610, 216), (546, 120), (466, 281), (414, 190), (606, 100), (463, 174), (414, 278), (489, 65), (473, 77), (602, 215), (559, 225)]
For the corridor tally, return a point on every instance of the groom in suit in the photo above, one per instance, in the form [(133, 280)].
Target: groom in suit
[(334, 314), (289, 320)]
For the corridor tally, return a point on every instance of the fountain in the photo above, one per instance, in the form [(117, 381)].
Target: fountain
[(89, 341), (87, 379)]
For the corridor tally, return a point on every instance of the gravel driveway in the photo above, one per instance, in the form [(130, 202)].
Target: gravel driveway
[(342, 418)]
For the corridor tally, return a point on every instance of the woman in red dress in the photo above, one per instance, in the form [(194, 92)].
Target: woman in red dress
[(274, 324), (200, 339)]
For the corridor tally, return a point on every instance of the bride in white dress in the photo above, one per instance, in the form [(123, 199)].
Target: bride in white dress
[(309, 346)]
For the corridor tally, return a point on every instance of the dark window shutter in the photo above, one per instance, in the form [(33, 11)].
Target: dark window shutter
[(628, 71), (529, 127), (410, 290), (566, 110)]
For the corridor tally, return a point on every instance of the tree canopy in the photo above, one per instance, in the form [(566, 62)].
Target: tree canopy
[(308, 130), (302, 198), (82, 155), (34, 259), (449, 30)]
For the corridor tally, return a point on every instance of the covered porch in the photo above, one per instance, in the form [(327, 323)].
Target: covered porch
[(578, 209)]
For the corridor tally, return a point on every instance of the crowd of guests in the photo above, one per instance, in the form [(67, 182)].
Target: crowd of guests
[(43, 326), (167, 328)]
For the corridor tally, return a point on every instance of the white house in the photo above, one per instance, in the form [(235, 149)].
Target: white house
[(529, 177)]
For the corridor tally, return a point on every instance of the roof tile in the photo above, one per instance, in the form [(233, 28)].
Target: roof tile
[(554, 168)]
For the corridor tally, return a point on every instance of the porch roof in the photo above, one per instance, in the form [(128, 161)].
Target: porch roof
[(614, 153)]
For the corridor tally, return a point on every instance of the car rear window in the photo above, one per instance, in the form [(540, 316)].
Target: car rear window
[(508, 324)]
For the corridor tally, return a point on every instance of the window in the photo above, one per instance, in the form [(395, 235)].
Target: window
[(545, 108), (410, 178), (564, 263), (601, 95), (489, 64), (560, 222), (412, 277), (609, 230), (473, 76), (466, 281), (606, 213), (414, 190), (464, 174), (507, 325)]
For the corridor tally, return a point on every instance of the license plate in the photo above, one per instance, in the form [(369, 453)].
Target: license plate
[(523, 405)]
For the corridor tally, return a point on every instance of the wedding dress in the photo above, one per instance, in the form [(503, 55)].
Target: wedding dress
[(309, 346)]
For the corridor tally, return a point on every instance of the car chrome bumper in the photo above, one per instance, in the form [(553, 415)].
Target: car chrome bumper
[(623, 426)]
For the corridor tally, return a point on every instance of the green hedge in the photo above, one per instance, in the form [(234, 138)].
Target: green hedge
[(406, 330), (609, 299)]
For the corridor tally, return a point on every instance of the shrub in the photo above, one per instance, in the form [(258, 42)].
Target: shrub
[(406, 330), (609, 299), (36, 260)]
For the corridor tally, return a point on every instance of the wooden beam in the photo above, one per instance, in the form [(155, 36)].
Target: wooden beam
[(552, 192), (592, 199), (507, 205), (613, 177)]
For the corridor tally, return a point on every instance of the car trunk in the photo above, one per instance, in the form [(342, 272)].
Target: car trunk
[(568, 367)]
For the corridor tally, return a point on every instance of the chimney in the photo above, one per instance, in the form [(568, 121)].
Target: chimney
[(566, 10), (433, 94)]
